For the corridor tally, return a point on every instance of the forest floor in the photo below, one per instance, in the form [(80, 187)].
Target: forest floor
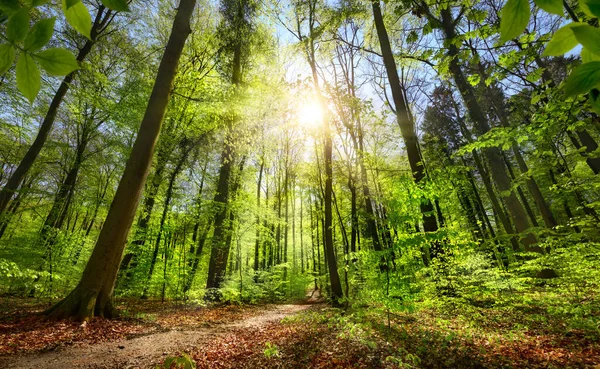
[(295, 336)]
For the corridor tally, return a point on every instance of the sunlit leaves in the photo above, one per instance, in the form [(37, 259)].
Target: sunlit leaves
[(587, 56), (18, 25), (583, 78), (7, 56), (513, 19), (28, 77), (57, 62), (563, 41), (588, 37), (78, 17), (40, 34)]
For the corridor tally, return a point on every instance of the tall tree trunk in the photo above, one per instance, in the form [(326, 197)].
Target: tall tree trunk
[(93, 295), (406, 124), (257, 242), (165, 212), (60, 207), (493, 154)]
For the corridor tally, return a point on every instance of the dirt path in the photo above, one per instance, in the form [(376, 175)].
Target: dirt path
[(142, 352)]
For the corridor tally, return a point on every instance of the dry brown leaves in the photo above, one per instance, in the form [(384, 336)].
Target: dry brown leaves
[(28, 331)]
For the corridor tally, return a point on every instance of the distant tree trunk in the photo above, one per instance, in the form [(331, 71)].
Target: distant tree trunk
[(99, 198), (406, 124), (286, 185), (103, 17), (93, 295), (301, 234), (56, 216), (257, 242), (493, 154), (186, 148)]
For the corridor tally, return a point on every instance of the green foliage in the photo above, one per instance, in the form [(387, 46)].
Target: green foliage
[(28, 77), (57, 62), (7, 57), (40, 34), (271, 350), (562, 41), (78, 17), (513, 19), (583, 78)]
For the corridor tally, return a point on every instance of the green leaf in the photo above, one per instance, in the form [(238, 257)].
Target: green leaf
[(7, 57), (551, 6), (18, 25), (587, 56), (513, 19), (117, 5), (78, 17), (28, 77), (562, 41), (591, 7), (583, 78), (9, 6), (588, 37), (57, 61), (40, 34)]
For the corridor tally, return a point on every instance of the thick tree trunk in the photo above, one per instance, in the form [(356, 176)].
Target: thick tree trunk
[(93, 295), (130, 261)]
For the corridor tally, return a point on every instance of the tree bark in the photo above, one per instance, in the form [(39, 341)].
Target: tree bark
[(93, 295)]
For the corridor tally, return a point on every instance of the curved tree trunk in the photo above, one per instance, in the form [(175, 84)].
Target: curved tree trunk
[(93, 295)]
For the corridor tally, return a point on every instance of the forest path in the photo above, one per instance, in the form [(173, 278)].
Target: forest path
[(145, 351)]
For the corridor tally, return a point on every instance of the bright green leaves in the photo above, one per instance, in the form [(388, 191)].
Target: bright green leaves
[(587, 56), (40, 34), (583, 78), (18, 25), (588, 37), (551, 6), (7, 57), (78, 17), (562, 42), (28, 77), (117, 5), (513, 19), (57, 62)]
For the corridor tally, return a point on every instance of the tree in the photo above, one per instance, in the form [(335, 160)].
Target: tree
[(93, 295)]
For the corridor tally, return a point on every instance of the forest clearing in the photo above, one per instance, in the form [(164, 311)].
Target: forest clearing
[(299, 184)]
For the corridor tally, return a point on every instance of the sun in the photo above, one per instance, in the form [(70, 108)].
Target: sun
[(310, 114)]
